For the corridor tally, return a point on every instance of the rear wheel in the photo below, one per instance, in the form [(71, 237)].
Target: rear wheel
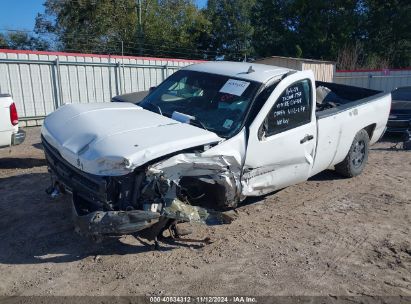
[(354, 163)]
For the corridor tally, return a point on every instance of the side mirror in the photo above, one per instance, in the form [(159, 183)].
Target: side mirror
[(151, 89)]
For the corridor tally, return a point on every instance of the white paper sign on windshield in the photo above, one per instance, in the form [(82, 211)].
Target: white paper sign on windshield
[(234, 87)]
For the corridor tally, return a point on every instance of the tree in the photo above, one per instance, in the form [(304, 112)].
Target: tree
[(22, 41), (322, 27), (3, 42), (88, 25), (169, 27), (232, 29), (271, 34), (388, 33), (174, 27), (357, 33)]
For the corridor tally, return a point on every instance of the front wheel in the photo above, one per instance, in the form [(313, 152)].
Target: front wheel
[(354, 163)]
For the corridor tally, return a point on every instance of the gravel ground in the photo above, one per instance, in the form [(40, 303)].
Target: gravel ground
[(327, 236)]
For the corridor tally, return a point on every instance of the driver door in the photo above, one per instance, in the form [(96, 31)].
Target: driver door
[(282, 138)]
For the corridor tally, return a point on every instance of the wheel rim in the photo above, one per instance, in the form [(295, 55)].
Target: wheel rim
[(358, 154)]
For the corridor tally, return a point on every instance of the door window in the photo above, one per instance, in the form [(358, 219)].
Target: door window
[(292, 109)]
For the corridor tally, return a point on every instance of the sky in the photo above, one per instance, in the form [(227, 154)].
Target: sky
[(20, 14)]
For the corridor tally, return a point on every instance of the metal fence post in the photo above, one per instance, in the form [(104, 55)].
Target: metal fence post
[(109, 76), (369, 81), (56, 83), (60, 83), (165, 72), (117, 76)]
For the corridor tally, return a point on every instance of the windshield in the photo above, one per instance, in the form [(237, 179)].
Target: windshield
[(214, 102)]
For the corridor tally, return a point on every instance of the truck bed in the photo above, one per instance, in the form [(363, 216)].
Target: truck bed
[(356, 109), (347, 97)]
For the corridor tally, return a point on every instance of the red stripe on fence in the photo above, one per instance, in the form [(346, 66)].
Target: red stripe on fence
[(373, 70), (8, 51)]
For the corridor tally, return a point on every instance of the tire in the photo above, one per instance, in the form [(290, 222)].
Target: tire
[(354, 163)]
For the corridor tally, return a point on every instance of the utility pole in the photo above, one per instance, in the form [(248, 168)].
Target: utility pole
[(140, 27)]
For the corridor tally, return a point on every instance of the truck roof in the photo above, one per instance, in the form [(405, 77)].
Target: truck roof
[(261, 73)]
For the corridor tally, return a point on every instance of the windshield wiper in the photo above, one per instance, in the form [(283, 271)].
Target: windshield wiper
[(190, 119), (198, 123), (157, 108)]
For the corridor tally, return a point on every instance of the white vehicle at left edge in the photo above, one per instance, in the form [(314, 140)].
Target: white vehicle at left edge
[(10, 134)]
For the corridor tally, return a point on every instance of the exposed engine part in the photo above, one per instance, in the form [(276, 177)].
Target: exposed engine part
[(214, 170)]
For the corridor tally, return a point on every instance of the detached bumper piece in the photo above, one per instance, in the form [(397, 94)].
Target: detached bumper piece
[(18, 138), (186, 213), (110, 223)]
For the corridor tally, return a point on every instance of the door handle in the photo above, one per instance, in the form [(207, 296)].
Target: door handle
[(306, 138)]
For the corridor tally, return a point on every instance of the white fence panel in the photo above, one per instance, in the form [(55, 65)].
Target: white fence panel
[(382, 80), (40, 82)]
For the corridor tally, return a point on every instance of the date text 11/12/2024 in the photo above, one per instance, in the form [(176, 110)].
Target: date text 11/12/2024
[(202, 299)]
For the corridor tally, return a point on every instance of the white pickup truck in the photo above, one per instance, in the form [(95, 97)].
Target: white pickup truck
[(10, 134), (207, 137)]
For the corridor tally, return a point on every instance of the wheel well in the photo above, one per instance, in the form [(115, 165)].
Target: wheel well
[(370, 130), (203, 194)]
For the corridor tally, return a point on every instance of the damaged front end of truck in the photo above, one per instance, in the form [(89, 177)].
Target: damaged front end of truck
[(141, 168), (185, 187)]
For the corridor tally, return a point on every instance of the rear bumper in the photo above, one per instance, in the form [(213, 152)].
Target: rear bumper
[(18, 138)]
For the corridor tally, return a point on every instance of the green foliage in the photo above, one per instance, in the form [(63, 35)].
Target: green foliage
[(232, 30), (360, 33), (356, 33), (3, 42), (88, 25), (272, 36), (22, 41), (298, 51), (388, 25), (168, 27), (316, 28), (173, 28)]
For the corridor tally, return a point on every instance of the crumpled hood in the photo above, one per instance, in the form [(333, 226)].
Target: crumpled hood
[(114, 138)]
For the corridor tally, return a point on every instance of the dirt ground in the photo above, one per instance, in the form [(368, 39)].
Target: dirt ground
[(327, 236)]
